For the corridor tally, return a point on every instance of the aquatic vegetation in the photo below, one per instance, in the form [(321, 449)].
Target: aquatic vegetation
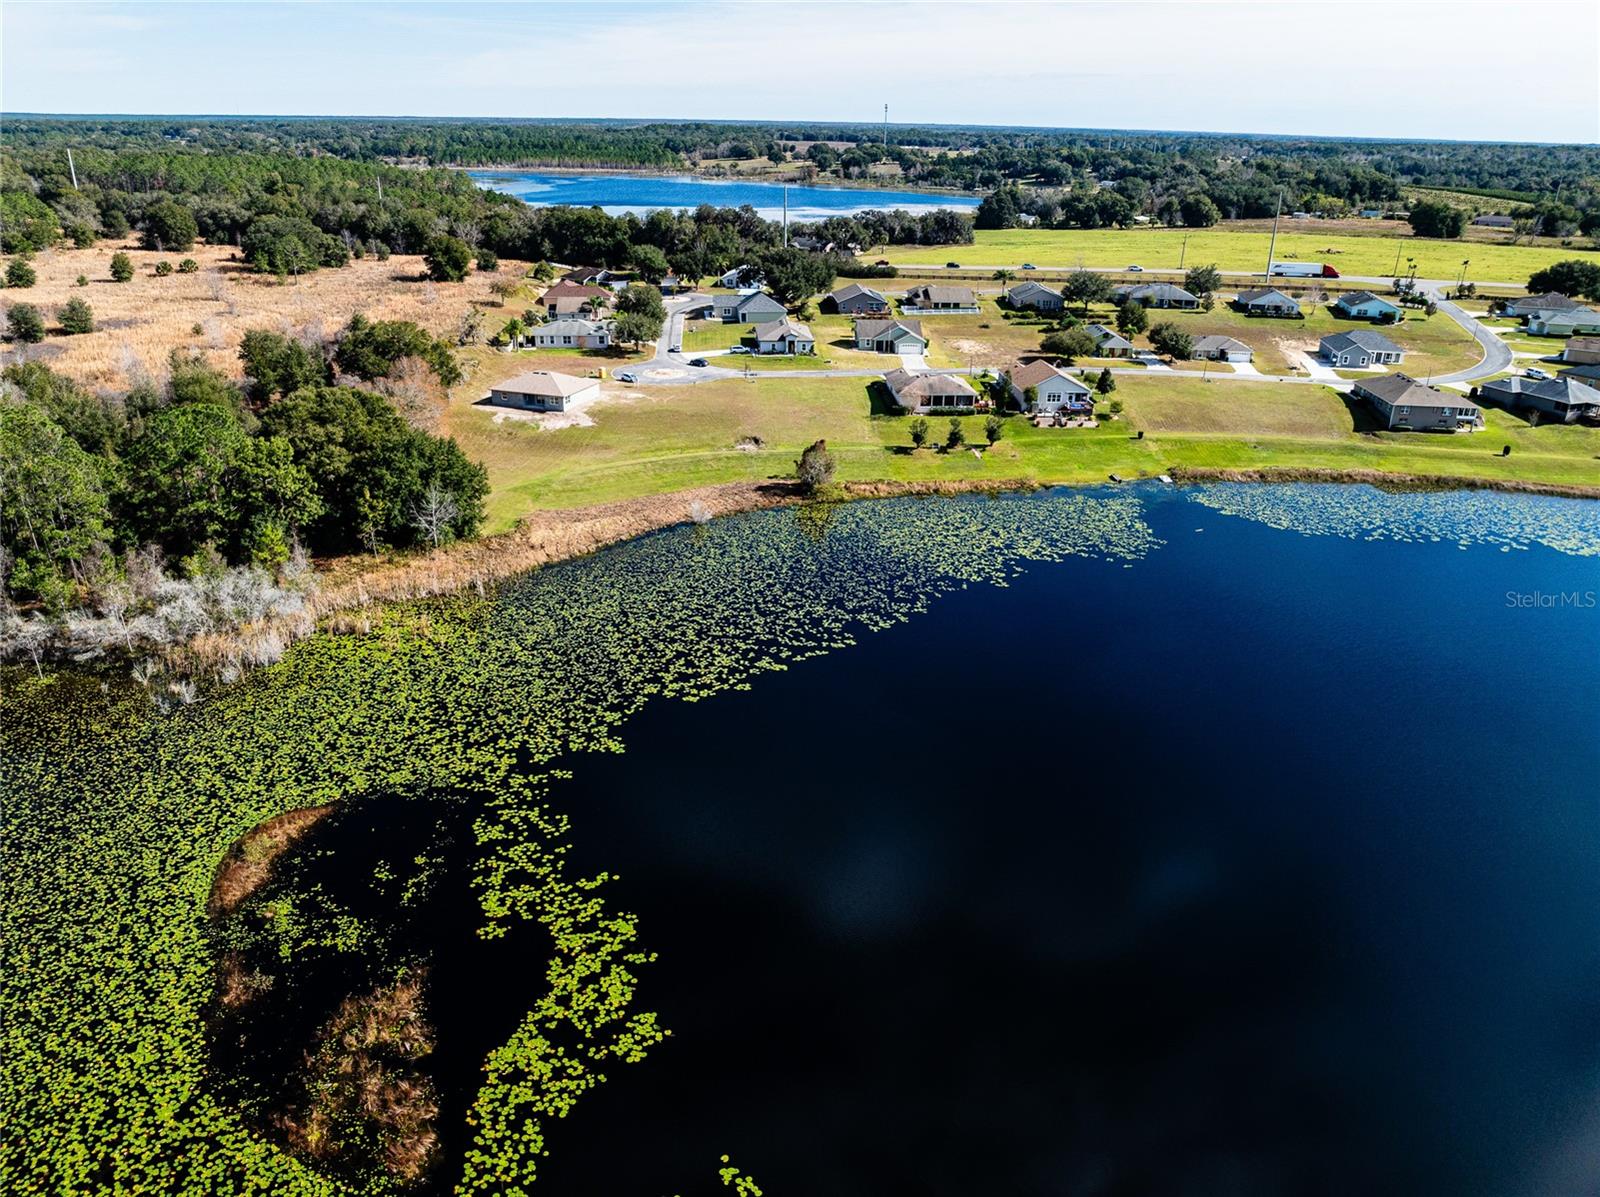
[(1467, 517), (118, 817)]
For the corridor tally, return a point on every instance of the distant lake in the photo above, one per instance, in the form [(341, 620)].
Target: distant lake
[(617, 194)]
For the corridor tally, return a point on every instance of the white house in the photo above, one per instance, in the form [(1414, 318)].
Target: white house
[(1108, 342), (1054, 389), (542, 390), (784, 336)]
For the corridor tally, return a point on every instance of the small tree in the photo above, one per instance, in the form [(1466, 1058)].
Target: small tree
[(1132, 318), (488, 260), (955, 438), (447, 259), (163, 268), (83, 280), (76, 317), (993, 428), (1086, 287), (25, 323), (188, 266), (1171, 340), (121, 267), (19, 273), (814, 470), (919, 432), (1106, 383), (1069, 344), (1203, 280), (1030, 398)]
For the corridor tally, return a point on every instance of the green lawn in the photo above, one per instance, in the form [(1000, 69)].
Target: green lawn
[(1235, 249), (669, 438)]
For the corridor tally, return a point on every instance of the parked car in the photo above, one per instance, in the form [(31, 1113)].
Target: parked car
[(952, 265), (1029, 266), (1135, 269), (699, 361), (881, 262), (1535, 372), (741, 349), (676, 349), (626, 376)]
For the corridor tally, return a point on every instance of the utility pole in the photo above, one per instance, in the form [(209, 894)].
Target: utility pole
[(72, 168), (1185, 249), (1272, 246)]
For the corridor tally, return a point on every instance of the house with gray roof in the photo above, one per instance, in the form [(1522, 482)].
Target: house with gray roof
[(1364, 305), (1494, 220), (1566, 399), (1215, 347), (891, 336), (1156, 295), (1405, 405), (1034, 295), (542, 390), (1581, 350), (784, 336), (853, 299), (1565, 323), (571, 333), (1528, 305), (930, 392), (1360, 348), (1268, 301), (939, 298), (753, 307), (1108, 342)]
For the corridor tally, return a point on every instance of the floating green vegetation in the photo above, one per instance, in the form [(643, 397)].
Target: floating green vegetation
[(116, 819), (1464, 517)]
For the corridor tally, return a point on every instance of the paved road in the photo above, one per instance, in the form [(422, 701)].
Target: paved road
[(1496, 353)]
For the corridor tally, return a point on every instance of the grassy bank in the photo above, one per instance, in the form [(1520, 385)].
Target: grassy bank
[(1239, 249), (654, 441)]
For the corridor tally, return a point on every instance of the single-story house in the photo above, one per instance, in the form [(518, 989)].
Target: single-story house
[(1108, 342), (1359, 348), (1582, 350), (1528, 305), (784, 336), (1268, 302), (1589, 373), (568, 299), (1406, 405), (930, 392), (891, 336), (1156, 295), (940, 297), (597, 276), (1034, 295), (734, 277), (853, 299), (1568, 399), (753, 307), (543, 390), (1053, 387), (1494, 221), (1565, 323), (1364, 305), (1215, 347), (570, 333), (672, 284)]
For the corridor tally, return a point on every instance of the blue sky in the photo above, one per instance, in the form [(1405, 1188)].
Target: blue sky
[(1516, 70)]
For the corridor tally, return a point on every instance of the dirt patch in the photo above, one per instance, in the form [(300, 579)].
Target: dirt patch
[(249, 862)]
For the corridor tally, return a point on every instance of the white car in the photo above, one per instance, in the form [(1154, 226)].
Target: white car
[(1135, 269), (741, 349), (1532, 372), (626, 376)]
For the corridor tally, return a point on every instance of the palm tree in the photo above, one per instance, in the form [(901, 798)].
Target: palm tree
[(1003, 275)]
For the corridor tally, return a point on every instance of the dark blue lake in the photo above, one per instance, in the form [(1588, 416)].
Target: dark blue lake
[(1264, 864), (642, 193)]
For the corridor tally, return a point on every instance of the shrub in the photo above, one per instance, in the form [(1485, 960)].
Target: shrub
[(488, 260), (83, 280), (919, 432), (19, 273), (121, 267), (993, 428), (188, 266), (447, 259), (169, 225), (955, 438), (163, 269), (76, 317), (82, 236), (25, 323), (814, 470)]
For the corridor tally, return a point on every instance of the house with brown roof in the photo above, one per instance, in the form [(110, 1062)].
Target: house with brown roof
[(570, 299), (931, 392), (1053, 388), (1405, 405), (940, 299), (542, 390)]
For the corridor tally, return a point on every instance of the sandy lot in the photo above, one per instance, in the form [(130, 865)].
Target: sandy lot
[(139, 322)]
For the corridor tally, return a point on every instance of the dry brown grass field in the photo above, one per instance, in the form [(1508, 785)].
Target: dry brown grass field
[(138, 323)]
